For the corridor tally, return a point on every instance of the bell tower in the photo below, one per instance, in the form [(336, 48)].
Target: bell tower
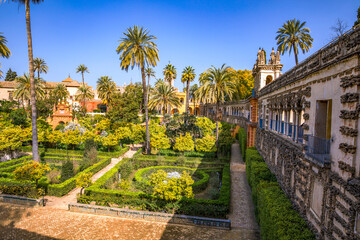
[(264, 73)]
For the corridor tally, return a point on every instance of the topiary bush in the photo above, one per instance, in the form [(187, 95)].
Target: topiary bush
[(67, 170)]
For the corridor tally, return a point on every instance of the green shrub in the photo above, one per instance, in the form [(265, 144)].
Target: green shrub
[(140, 200), (278, 219), (65, 187), (67, 170), (274, 211), (242, 141)]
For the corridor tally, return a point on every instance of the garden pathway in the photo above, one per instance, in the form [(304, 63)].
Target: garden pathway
[(242, 214), (62, 202)]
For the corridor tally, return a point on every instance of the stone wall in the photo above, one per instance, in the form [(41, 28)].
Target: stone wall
[(307, 125)]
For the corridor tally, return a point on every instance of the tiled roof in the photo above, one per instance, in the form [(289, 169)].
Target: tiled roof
[(7, 84)]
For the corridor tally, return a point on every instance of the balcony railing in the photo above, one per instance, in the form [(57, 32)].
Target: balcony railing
[(318, 149)]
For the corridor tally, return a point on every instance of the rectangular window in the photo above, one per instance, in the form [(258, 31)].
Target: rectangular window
[(11, 96), (323, 119)]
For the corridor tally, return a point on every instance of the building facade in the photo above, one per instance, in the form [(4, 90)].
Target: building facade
[(305, 123)]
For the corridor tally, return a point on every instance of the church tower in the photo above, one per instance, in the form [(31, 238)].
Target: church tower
[(266, 73)]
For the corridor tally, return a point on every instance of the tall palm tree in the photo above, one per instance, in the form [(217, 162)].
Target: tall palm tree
[(188, 75), (105, 87), (40, 66), (149, 72), (216, 86), (4, 50), (292, 36), (23, 89), (60, 92), (192, 94), (84, 92), (163, 95), (169, 75), (35, 145), (83, 69), (137, 48)]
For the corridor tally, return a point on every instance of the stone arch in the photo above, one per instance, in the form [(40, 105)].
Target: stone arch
[(174, 110), (269, 79)]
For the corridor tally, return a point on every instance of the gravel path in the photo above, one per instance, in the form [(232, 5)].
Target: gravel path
[(62, 202), (241, 206)]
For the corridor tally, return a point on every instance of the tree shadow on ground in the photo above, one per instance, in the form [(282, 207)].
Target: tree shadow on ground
[(10, 214)]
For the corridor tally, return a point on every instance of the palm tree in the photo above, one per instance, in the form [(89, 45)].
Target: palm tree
[(60, 92), (137, 48), (23, 89), (84, 92), (40, 66), (4, 50), (35, 145), (188, 75), (169, 75), (82, 68), (192, 94), (293, 35), (106, 87), (216, 85), (163, 95), (149, 72)]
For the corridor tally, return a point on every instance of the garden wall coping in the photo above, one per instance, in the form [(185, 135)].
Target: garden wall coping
[(21, 200), (151, 216)]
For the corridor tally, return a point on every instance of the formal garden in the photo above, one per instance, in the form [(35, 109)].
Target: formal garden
[(186, 172)]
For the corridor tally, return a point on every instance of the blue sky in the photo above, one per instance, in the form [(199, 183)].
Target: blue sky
[(199, 33)]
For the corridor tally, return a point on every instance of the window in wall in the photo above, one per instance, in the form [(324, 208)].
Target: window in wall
[(269, 79), (10, 95), (323, 119)]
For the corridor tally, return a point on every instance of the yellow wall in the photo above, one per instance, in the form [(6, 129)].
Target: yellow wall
[(181, 109)]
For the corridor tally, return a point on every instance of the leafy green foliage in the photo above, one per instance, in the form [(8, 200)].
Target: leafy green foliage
[(242, 142), (225, 142), (184, 143), (171, 188), (158, 139), (10, 75), (67, 170), (275, 213), (31, 171), (206, 144), (125, 107), (84, 180), (206, 125)]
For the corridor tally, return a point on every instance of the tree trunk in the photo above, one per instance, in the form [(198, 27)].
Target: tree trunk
[(296, 57), (187, 98), (35, 146), (38, 75), (194, 105), (217, 124), (148, 88), (84, 99), (169, 106), (147, 146)]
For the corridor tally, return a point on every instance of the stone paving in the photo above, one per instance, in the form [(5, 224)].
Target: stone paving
[(241, 206), (54, 222)]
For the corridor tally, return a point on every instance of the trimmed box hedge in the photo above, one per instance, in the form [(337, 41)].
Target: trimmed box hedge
[(242, 142), (200, 207), (63, 188), (274, 212), (197, 186)]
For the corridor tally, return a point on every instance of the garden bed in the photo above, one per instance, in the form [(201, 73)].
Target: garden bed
[(102, 193)]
